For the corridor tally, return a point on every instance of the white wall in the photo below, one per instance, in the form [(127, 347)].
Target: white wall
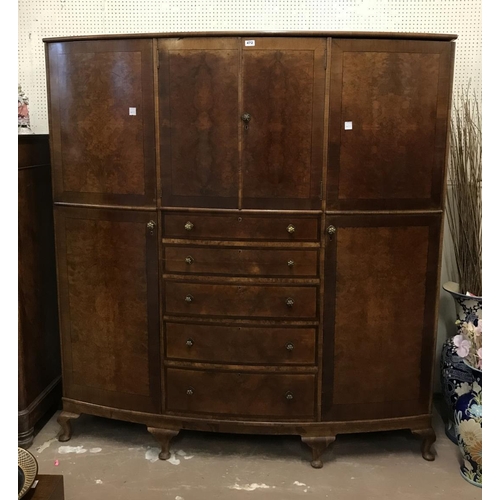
[(49, 18)]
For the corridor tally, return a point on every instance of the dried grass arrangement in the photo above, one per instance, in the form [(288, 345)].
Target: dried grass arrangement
[(464, 205)]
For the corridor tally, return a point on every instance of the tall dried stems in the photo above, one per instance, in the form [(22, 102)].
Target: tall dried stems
[(464, 206)]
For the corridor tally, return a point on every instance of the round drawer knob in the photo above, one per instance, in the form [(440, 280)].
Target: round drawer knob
[(289, 396), (188, 226), (190, 391), (289, 346), (189, 259), (189, 298), (291, 228), (289, 302), (291, 263), (331, 230), (189, 342)]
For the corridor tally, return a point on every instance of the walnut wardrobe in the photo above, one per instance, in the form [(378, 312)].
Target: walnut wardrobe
[(248, 229)]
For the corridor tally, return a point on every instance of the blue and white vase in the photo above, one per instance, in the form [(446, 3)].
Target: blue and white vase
[(469, 430), (456, 380), (456, 376), (469, 308)]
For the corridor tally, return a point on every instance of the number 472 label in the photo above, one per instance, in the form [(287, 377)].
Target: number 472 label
[(249, 43)]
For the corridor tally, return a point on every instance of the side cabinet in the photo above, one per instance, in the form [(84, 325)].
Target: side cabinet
[(381, 280), (39, 358), (108, 298)]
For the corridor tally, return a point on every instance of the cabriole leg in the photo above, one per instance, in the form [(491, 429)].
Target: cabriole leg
[(318, 445), (163, 436), (64, 420), (428, 437)]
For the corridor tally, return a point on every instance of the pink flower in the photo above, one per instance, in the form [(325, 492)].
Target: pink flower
[(462, 345)]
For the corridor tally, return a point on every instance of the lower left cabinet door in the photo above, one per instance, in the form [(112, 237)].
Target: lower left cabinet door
[(108, 297)]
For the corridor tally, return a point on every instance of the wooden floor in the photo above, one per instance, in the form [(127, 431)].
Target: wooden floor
[(108, 459)]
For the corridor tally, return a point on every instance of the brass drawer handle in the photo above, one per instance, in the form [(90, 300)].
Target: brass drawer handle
[(246, 117), (189, 342), (289, 346), (291, 228), (291, 263), (289, 302), (189, 259), (190, 391), (188, 226), (289, 396), (189, 298), (331, 230)]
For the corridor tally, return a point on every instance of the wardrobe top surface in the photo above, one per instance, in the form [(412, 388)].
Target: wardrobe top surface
[(247, 34)]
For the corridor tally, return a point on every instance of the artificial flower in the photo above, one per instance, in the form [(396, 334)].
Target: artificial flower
[(462, 345)]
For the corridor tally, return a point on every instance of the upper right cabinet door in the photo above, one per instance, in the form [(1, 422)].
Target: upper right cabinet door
[(389, 112)]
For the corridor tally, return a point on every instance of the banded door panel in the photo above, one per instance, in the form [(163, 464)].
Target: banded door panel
[(108, 296), (381, 280), (101, 105), (198, 90), (389, 111), (283, 94)]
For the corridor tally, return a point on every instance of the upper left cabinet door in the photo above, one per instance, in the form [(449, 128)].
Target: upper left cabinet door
[(199, 119), (101, 106)]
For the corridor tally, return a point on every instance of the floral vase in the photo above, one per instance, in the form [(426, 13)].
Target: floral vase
[(456, 380), (456, 376), (469, 430)]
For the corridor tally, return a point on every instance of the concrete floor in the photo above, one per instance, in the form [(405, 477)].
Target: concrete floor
[(108, 459)]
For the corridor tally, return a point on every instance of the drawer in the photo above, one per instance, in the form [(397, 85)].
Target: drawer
[(241, 227), (241, 345), (237, 394), (240, 261), (269, 301)]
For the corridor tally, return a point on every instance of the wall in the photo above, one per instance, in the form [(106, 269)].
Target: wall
[(50, 18)]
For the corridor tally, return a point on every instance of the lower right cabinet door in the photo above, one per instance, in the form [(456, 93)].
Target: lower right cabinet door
[(381, 285)]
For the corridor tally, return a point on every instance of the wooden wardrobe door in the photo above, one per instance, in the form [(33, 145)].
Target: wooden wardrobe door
[(102, 121), (199, 118), (388, 123), (108, 298), (381, 280), (283, 92)]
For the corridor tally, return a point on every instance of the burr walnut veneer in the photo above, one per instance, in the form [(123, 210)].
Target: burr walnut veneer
[(248, 229), (39, 358)]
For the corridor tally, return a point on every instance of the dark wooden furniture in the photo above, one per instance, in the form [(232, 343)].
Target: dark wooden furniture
[(49, 487), (249, 229), (39, 359)]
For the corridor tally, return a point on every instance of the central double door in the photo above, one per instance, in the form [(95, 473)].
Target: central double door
[(242, 122)]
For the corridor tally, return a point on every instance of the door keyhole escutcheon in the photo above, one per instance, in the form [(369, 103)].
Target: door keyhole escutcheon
[(246, 119)]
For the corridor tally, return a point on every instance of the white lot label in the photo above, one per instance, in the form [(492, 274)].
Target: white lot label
[(249, 43), (348, 125), (132, 111)]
